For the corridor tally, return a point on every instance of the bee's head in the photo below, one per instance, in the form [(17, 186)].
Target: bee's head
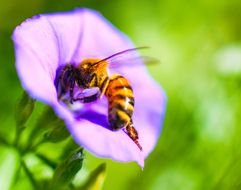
[(87, 69), (88, 65)]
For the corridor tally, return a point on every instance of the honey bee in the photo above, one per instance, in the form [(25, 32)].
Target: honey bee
[(91, 75)]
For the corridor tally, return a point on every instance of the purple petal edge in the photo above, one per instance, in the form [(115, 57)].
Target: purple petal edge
[(45, 42)]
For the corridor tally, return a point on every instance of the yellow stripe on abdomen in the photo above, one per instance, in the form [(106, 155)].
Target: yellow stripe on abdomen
[(120, 102)]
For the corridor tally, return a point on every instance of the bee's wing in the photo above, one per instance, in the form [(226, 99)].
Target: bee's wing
[(128, 57), (131, 61)]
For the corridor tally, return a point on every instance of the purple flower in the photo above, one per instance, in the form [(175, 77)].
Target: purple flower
[(47, 42)]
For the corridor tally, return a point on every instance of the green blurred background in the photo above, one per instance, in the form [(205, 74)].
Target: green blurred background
[(199, 47)]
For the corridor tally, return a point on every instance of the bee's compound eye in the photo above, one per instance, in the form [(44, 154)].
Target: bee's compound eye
[(66, 74)]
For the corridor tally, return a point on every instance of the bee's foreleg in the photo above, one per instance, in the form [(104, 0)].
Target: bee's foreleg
[(71, 90), (104, 86)]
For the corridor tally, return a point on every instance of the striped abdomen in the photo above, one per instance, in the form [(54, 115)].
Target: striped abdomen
[(120, 102)]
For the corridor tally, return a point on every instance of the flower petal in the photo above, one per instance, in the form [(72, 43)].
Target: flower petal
[(149, 114), (36, 54), (99, 37), (150, 99), (44, 43), (107, 143)]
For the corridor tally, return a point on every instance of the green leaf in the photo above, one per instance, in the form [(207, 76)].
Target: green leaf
[(45, 121), (68, 148), (66, 171), (48, 128), (23, 111), (57, 133), (96, 179), (9, 164)]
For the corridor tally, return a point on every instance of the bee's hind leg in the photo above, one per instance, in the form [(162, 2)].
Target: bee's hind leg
[(88, 95)]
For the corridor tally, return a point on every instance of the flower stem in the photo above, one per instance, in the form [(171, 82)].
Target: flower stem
[(47, 161), (18, 135), (4, 141), (16, 177), (30, 176)]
